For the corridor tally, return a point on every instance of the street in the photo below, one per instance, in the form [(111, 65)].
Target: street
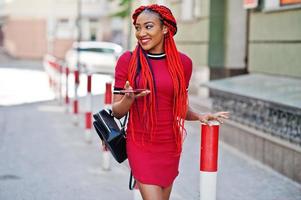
[(44, 156), (57, 66)]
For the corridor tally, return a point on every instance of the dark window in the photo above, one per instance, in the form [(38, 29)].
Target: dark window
[(97, 50)]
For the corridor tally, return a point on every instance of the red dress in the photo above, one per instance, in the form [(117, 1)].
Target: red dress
[(154, 162)]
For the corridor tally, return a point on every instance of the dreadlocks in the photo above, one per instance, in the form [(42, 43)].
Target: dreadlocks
[(139, 65)]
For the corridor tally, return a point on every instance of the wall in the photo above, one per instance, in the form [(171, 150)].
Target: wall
[(61, 46), (192, 39), (275, 42), (235, 35), (25, 38), (29, 8)]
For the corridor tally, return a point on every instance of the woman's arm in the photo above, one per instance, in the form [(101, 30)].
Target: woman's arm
[(122, 103), (206, 117)]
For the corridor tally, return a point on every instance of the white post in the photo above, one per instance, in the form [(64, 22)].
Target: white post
[(67, 89), (75, 101)]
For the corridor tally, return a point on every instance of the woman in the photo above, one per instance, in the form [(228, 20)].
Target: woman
[(155, 130)]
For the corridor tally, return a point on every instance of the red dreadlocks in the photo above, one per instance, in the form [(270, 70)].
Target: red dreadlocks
[(175, 68)]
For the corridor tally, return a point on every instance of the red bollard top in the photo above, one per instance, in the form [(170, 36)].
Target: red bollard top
[(108, 93), (209, 147), (76, 76), (89, 83), (67, 70)]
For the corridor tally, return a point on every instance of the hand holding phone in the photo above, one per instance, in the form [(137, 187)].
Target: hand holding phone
[(135, 91), (131, 93)]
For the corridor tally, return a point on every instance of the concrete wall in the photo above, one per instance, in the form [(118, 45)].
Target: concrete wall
[(60, 47), (29, 8), (235, 35), (192, 39), (275, 42), (25, 38), (35, 27), (192, 36), (282, 156)]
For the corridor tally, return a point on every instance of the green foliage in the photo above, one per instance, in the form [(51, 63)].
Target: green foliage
[(124, 9), (124, 2)]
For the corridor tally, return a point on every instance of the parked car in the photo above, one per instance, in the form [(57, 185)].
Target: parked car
[(95, 57)]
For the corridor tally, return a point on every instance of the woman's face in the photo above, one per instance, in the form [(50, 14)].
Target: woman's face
[(150, 32)]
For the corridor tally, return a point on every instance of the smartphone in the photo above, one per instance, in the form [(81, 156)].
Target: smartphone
[(135, 91)]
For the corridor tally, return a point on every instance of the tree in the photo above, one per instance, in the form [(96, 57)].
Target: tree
[(125, 9), (124, 12)]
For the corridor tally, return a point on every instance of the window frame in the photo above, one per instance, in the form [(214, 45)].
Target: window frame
[(192, 7), (275, 5)]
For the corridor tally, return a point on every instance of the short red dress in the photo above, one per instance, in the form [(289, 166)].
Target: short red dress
[(154, 162)]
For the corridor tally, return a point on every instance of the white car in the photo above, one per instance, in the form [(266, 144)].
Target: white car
[(94, 57)]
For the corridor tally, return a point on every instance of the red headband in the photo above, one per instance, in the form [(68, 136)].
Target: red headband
[(163, 11)]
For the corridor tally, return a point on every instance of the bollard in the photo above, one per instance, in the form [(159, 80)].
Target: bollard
[(53, 77), (108, 95), (67, 89), (137, 195), (208, 160), (88, 115), (54, 70), (75, 101), (56, 79), (60, 70), (107, 104), (50, 82)]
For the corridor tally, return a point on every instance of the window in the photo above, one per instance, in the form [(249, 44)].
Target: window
[(289, 2), (281, 4), (63, 21), (161, 2), (250, 4), (144, 2), (63, 28), (190, 9), (96, 50)]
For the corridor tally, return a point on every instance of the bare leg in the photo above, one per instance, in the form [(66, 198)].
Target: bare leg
[(150, 192), (166, 192)]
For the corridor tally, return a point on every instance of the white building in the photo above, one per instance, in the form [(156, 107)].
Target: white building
[(2, 19), (35, 27)]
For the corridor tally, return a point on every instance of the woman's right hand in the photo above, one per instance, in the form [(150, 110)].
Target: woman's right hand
[(122, 103), (132, 95)]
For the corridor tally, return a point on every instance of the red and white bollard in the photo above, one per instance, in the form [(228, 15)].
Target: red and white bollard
[(107, 104), (67, 88), (88, 114), (75, 101), (60, 70), (208, 160)]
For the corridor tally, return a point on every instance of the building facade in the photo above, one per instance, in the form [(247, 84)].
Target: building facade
[(3, 16), (51, 26), (250, 50)]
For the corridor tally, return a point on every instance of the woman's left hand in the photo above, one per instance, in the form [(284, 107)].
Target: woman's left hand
[(218, 116)]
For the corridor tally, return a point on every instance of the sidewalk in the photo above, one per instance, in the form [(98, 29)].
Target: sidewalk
[(6, 61), (44, 156)]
